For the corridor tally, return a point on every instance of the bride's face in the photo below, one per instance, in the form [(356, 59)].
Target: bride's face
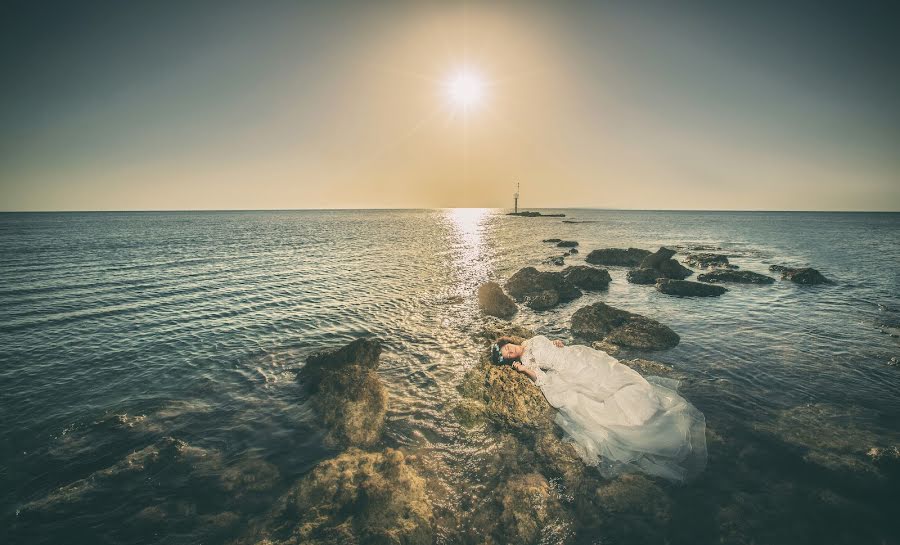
[(511, 351)]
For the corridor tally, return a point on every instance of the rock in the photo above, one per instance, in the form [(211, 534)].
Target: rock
[(535, 215), (658, 265), (567, 244), (558, 260), (806, 276), (573, 251), (604, 346), (685, 288), (544, 300), (642, 276), (494, 302), (552, 240), (529, 285), (347, 392), (654, 260), (530, 510), (631, 257), (560, 458), (587, 278), (738, 277), (603, 322), (356, 497), (707, 261), (628, 509), (493, 328)]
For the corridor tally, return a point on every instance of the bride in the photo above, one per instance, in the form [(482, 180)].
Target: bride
[(617, 419)]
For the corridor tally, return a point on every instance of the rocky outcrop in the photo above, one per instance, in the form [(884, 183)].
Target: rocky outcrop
[(805, 275), (631, 257), (535, 215), (567, 243), (493, 329), (552, 240), (708, 261), (573, 251), (494, 302), (622, 328), (658, 265), (347, 392), (541, 290), (587, 278), (357, 497), (557, 260), (737, 277), (685, 288)]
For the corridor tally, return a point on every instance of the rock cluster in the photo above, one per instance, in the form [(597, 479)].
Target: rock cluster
[(737, 277), (494, 302), (631, 257), (622, 328), (541, 290), (685, 288), (347, 392), (658, 265)]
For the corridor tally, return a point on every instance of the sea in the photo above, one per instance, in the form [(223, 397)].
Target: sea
[(123, 334)]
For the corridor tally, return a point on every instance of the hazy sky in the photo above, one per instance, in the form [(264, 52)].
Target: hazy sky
[(651, 105)]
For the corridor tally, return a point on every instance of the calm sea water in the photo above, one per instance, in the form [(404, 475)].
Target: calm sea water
[(120, 329)]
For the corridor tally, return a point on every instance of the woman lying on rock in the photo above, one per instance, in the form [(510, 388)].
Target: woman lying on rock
[(617, 419)]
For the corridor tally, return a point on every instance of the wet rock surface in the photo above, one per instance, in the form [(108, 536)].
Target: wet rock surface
[(622, 328), (541, 290), (705, 260), (642, 276), (356, 497), (619, 257), (347, 392), (587, 278), (567, 243), (737, 277), (804, 275), (494, 302), (686, 288)]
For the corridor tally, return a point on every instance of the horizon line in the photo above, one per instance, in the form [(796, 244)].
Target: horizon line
[(157, 210)]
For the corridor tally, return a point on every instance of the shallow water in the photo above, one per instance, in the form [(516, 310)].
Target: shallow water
[(120, 329)]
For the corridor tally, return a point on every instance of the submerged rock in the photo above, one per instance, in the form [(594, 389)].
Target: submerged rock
[(587, 278), (631, 257), (628, 509), (552, 240), (619, 327), (567, 243), (708, 261), (494, 302), (357, 497), (558, 260), (524, 509), (685, 288), (530, 286), (738, 277), (805, 275), (347, 392), (651, 368)]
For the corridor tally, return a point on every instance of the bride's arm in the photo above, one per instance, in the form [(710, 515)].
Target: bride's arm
[(522, 369)]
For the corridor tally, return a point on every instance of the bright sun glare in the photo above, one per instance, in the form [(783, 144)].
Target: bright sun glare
[(465, 89)]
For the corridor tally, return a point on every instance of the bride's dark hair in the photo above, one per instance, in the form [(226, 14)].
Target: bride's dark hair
[(496, 358)]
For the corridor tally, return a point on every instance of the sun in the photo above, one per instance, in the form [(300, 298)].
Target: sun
[(464, 89)]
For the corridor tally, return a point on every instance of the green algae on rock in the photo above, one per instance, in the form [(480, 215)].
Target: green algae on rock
[(347, 392)]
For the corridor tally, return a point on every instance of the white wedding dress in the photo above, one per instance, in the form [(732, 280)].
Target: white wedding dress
[(617, 419)]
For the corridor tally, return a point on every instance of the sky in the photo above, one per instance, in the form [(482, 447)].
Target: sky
[(110, 105)]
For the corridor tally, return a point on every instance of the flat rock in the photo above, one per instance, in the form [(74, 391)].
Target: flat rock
[(631, 257), (494, 302), (737, 277), (567, 243), (708, 261), (686, 288), (642, 276), (347, 392), (587, 278), (619, 327), (530, 286)]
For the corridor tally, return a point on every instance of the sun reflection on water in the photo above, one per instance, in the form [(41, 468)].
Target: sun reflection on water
[(469, 251)]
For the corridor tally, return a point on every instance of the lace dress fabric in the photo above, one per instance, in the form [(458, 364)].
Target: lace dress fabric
[(617, 419)]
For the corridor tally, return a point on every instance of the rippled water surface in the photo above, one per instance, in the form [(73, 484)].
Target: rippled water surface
[(118, 330)]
